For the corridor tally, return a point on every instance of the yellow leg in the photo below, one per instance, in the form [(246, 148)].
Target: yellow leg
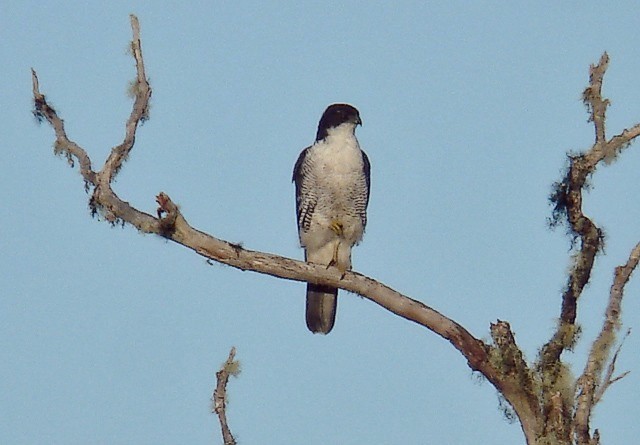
[(334, 259), (338, 228)]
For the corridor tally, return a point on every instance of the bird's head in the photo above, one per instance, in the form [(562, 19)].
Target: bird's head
[(336, 115)]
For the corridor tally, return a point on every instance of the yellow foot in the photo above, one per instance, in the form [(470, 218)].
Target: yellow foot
[(342, 270), (337, 227)]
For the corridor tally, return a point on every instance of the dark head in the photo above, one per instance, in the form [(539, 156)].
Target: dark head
[(336, 115)]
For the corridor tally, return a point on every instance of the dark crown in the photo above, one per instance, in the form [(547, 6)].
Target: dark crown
[(335, 115)]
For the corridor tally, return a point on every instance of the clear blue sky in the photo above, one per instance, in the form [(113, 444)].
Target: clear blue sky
[(108, 336)]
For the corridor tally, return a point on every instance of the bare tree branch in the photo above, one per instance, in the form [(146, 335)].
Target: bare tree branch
[(140, 112), (592, 98), (591, 385), (219, 397), (608, 378), (43, 111), (567, 198), (512, 360)]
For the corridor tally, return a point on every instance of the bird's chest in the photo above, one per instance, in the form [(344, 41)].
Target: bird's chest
[(337, 167)]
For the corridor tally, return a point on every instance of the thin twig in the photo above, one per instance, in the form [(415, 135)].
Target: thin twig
[(139, 112), (592, 97), (608, 378), (219, 398)]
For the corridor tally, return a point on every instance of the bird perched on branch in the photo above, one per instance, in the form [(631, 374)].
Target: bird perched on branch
[(332, 179)]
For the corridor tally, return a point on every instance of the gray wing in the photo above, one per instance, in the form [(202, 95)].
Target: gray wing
[(362, 201), (305, 199)]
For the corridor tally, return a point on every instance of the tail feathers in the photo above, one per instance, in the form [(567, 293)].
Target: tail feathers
[(322, 302)]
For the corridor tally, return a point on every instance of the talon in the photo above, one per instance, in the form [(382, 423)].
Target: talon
[(342, 270), (337, 227)]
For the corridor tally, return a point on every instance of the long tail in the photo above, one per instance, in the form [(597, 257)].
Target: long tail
[(322, 302)]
